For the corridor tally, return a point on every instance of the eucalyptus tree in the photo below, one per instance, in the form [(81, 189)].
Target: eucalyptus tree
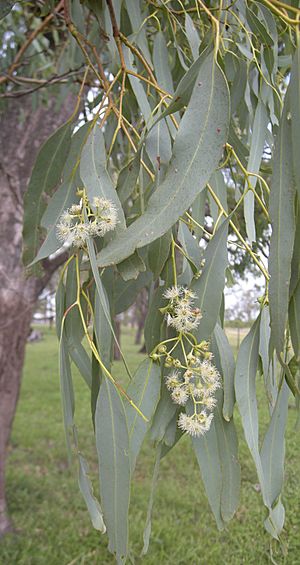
[(186, 106)]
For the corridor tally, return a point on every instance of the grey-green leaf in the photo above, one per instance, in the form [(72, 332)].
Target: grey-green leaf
[(95, 176), (273, 452), (210, 285), (228, 370), (258, 136), (144, 390), (126, 292), (158, 252), (86, 490), (294, 89), (131, 267), (282, 215), (46, 174), (197, 150), (245, 391), (294, 320), (112, 442), (207, 453)]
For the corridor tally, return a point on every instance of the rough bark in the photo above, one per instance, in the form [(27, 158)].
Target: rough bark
[(20, 140)]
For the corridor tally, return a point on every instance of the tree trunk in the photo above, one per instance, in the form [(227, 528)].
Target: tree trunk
[(19, 143), (141, 309), (117, 324)]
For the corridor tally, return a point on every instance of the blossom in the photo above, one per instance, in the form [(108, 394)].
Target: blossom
[(195, 425), (63, 232), (75, 209), (173, 292), (180, 395), (209, 374), (74, 230), (106, 216), (172, 380)]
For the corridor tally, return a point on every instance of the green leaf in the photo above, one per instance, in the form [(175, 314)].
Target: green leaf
[(126, 292), (154, 320), (63, 198), (258, 137), (245, 391), (294, 89), (192, 35), (283, 229), (82, 361), (86, 490), (66, 389), (46, 175), (158, 252), (207, 454), (237, 90), (144, 390), (95, 176), (5, 8), (137, 87), (228, 369), (294, 320), (197, 149), (210, 285), (102, 328), (198, 212), (164, 413), (267, 367), (219, 187), (131, 267), (100, 288), (147, 529), (191, 247), (127, 178), (272, 453), (161, 63), (183, 92), (112, 442)]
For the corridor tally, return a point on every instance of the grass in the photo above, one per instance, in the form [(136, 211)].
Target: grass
[(52, 523)]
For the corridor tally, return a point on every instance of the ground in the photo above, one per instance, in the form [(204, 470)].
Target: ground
[(53, 527)]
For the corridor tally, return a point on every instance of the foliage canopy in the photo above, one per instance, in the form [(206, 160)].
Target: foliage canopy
[(188, 111)]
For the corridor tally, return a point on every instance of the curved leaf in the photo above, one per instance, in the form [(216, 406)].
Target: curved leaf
[(282, 215), (210, 285), (95, 176), (144, 390), (45, 175), (112, 442), (197, 149)]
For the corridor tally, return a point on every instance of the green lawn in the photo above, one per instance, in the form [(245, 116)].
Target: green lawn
[(50, 517)]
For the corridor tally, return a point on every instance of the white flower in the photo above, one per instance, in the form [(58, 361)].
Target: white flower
[(66, 218), (179, 395), (63, 232), (209, 402), (210, 374), (195, 425), (172, 380), (182, 323), (80, 233), (75, 209), (102, 203), (173, 292)]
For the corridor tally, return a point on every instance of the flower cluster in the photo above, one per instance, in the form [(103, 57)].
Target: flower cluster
[(180, 312), (194, 379), (74, 227), (198, 383)]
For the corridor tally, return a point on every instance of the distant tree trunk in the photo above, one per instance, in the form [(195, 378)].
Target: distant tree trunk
[(141, 308), (19, 142), (117, 353)]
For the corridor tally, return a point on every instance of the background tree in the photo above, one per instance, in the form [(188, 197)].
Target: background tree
[(158, 119)]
